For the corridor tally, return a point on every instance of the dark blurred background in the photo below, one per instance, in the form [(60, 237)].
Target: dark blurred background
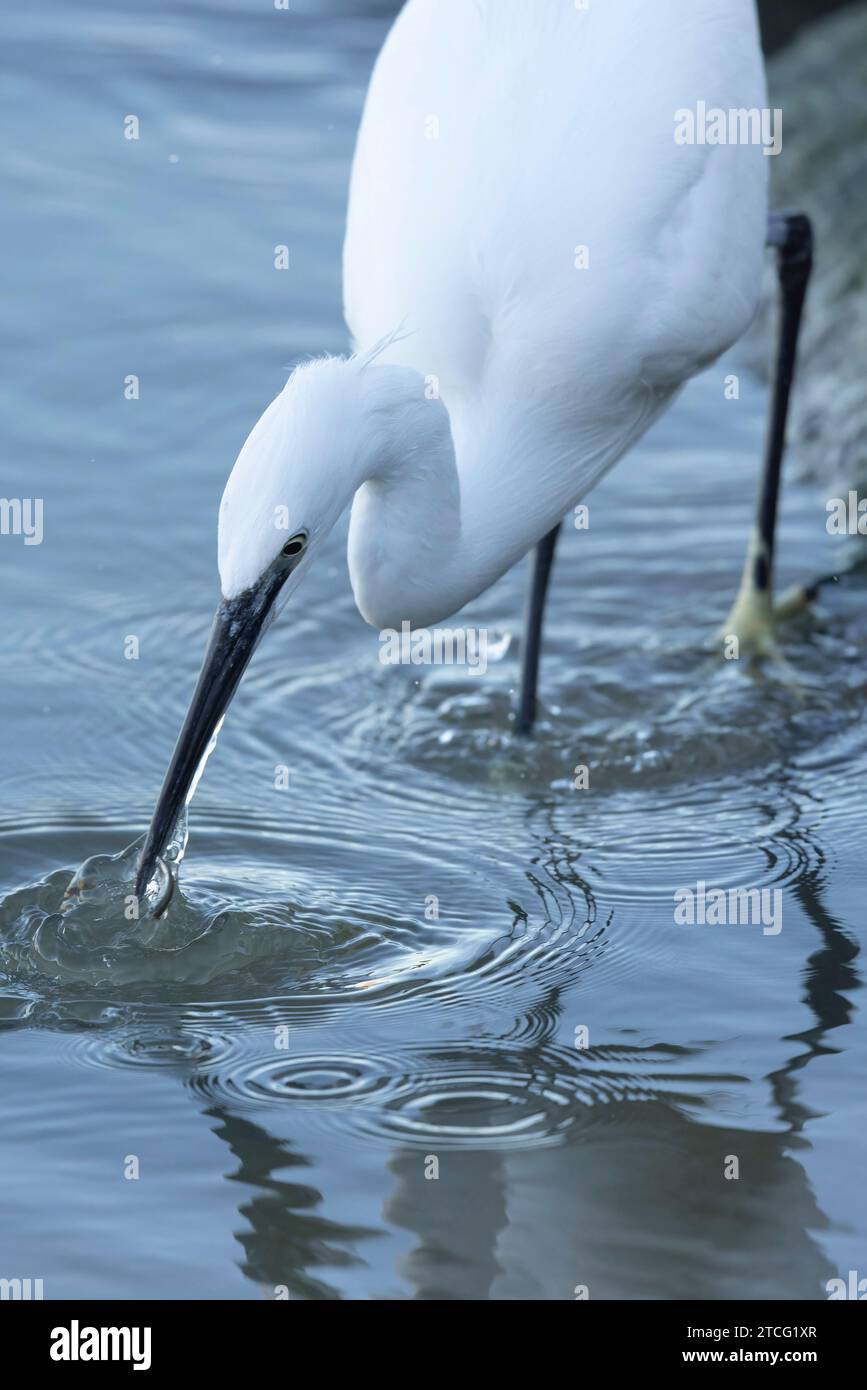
[(781, 19)]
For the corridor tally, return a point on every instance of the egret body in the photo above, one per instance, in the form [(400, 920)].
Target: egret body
[(533, 267)]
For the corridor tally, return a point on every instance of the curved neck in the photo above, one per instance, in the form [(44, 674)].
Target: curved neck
[(448, 503)]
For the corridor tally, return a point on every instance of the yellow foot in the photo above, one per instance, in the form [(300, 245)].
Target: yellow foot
[(749, 627)]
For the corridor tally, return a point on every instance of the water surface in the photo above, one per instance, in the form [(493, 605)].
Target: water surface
[(290, 1050)]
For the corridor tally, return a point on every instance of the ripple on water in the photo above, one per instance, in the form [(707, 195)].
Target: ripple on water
[(273, 1080), (537, 883), (341, 945), (645, 865), (454, 1095), (167, 1045), (648, 718)]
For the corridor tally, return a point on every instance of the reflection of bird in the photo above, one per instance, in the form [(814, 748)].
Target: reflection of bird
[(534, 265)]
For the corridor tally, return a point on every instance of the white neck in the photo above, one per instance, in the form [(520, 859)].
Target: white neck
[(447, 503)]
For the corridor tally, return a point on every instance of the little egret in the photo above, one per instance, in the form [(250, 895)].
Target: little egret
[(541, 249)]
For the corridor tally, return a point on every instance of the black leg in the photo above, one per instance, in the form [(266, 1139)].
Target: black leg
[(791, 235), (543, 558)]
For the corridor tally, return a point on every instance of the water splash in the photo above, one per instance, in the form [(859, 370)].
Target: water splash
[(101, 893)]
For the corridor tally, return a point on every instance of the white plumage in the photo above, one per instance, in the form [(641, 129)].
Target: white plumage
[(498, 137), (533, 267)]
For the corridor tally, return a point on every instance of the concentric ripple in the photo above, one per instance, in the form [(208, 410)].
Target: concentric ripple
[(487, 1096), (168, 1046), (353, 944), (274, 1080)]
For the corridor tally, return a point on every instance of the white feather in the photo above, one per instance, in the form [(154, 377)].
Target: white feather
[(496, 382)]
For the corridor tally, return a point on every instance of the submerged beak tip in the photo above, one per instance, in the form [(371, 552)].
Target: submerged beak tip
[(237, 627)]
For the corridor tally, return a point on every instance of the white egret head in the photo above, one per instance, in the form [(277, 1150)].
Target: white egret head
[(295, 475), (337, 423), (292, 479)]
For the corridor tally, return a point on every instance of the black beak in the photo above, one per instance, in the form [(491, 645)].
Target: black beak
[(238, 625)]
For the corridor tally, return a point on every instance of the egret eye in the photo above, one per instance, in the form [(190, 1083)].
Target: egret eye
[(294, 546)]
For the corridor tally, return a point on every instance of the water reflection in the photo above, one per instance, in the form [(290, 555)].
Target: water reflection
[(829, 974), (691, 1233), (287, 1239), (408, 1035)]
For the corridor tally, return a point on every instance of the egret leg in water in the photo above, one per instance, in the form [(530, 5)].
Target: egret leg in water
[(752, 615), (751, 618)]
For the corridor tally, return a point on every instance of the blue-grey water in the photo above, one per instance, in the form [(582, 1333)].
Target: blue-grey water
[(349, 1063)]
